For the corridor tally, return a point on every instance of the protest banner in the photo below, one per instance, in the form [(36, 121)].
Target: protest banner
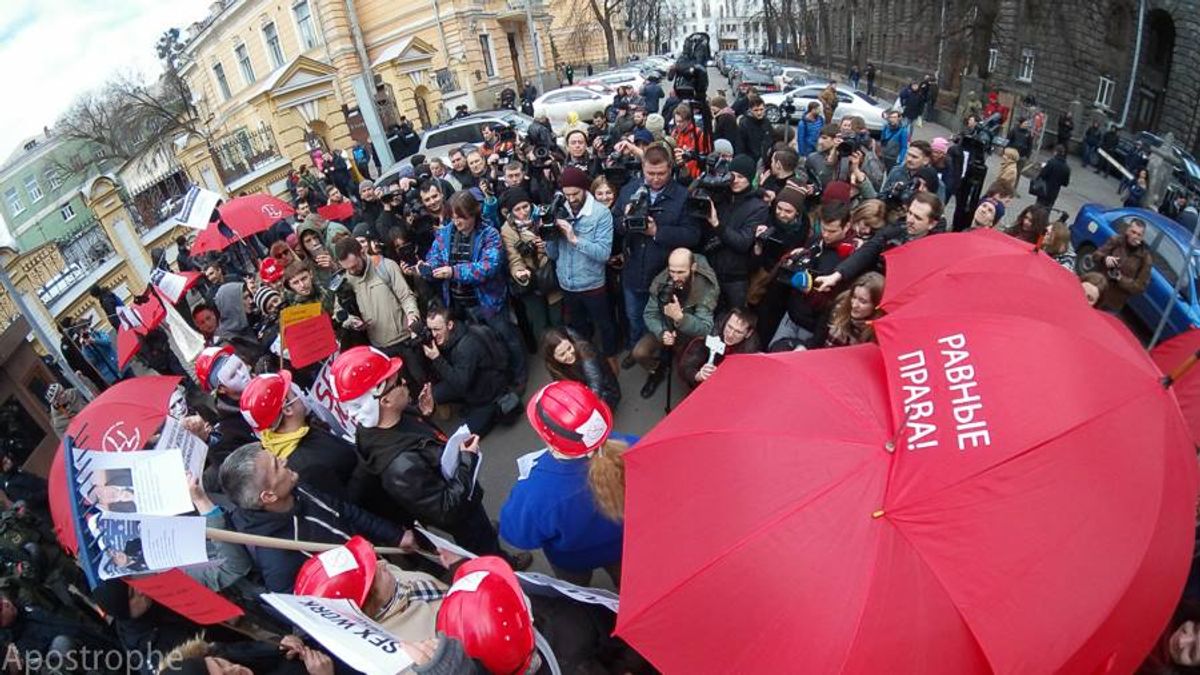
[(341, 628), (174, 436), (150, 482), (136, 544), (320, 400), (198, 206), (309, 340)]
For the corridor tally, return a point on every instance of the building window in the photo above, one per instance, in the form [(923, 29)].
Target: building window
[(67, 212), (243, 59), (489, 65), (274, 50), (993, 59), (304, 23), (1104, 92), (222, 83), (14, 201), (34, 190), (1025, 74), (54, 178)]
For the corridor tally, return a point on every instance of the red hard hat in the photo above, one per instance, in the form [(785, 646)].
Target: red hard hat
[(262, 400), (486, 610), (270, 270), (343, 572), (570, 417), (358, 369), (207, 362)]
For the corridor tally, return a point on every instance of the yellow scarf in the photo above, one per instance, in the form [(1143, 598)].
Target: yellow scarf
[(282, 445)]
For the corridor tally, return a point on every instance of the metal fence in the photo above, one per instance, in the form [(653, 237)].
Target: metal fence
[(244, 151), (83, 251)]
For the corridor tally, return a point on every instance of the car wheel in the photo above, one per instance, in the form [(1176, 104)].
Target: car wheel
[(773, 114), (1083, 259)]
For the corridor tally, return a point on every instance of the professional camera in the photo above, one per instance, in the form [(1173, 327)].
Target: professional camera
[(901, 193), (541, 158), (618, 168), (793, 270), (787, 110), (639, 210), (666, 295), (407, 253), (421, 336), (506, 134), (547, 227), (978, 141), (848, 145), (772, 243), (689, 72), (709, 187)]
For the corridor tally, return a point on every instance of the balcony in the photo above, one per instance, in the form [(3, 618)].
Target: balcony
[(84, 252), (245, 154)]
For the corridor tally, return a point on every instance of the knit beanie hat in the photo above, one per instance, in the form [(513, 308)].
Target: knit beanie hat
[(574, 178), (655, 124), (262, 298), (791, 194), (836, 191), (722, 146), (513, 196), (744, 165)]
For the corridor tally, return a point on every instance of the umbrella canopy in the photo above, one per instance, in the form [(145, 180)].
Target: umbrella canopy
[(215, 237), (969, 496), (342, 211), (255, 213), (1170, 355), (123, 417), (137, 319)]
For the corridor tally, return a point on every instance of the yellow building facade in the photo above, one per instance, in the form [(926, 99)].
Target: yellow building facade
[(274, 80)]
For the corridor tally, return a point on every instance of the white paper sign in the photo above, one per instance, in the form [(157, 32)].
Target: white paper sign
[(343, 630), (135, 544), (591, 596), (526, 462), (193, 449), (444, 544), (148, 482), (452, 453), (171, 285)]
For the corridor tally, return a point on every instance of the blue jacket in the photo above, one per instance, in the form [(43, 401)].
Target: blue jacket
[(646, 256), (806, 134), (899, 136), (102, 356), (487, 271), (553, 510), (581, 267)]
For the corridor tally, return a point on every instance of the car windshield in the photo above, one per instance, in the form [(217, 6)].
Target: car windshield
[(1193, 171), (869, 99)]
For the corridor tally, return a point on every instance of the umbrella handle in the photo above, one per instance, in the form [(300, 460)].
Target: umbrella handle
[(1181, 370), (229, 536)]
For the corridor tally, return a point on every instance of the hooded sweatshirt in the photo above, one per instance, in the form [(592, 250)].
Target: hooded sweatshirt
[(233, 313)]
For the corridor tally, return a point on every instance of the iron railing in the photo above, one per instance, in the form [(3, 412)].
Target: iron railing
[(83, 251), (244, 151)]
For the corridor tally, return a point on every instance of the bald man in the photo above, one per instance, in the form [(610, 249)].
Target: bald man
[(682, 300)]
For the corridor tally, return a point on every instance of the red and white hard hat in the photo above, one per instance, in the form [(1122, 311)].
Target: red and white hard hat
[(262, 400), (570, 417), (358, 370), (270, 270), (486, 610), (345, 572), (208, 363)]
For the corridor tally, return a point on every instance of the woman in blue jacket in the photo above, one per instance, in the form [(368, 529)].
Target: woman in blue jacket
[(570, 502)]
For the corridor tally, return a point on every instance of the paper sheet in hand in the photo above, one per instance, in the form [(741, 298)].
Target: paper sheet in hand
[(526, 462), (591, 596), (133, 543), (453, 451), (343, 630), (194, 450), (444, 544), (150, 482)]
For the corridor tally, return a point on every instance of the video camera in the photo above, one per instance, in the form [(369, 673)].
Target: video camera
[(618, 168), (901, 193), (793, 270), (709, 187), (690, 72), (978, 141), (639, 211), (547, 227)]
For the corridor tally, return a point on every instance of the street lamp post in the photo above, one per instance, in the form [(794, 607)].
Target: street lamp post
[(533, 44)]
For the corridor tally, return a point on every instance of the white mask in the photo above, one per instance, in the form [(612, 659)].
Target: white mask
[(234, 374), (364, 409)]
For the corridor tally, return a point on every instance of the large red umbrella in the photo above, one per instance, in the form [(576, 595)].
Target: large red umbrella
[(254, 213), (1181, 351), (985, 491), (135, 320)]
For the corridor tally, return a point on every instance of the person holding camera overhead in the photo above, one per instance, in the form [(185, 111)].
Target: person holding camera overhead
[(682, 300), (528, 265), (580, 248), (651, 222), (733, 218)]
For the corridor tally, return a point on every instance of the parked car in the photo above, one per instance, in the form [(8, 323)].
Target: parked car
[(582, 99), (790, 78), (1168, 242), (759, 80), (440, 140), (616, 78), (850, 102), (1186, 168)]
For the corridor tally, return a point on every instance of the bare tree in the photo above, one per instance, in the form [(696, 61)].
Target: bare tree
[(606, 12)]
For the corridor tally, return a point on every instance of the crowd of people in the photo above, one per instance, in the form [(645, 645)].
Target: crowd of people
[(664, 238)]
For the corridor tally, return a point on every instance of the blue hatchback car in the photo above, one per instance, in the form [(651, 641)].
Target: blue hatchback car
[(1168, 242)]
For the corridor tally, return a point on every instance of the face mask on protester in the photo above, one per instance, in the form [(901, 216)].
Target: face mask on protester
[(234, 374), (365, 409)]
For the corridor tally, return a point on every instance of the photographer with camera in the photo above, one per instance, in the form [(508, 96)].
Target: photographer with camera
[(682, 300), (580, 249), (531, 273), (577, 152), (467, 257), (914, 175), (1126, 261), (470, 368), (652, 222), (923, 216), (734, 218), (807, 309), (690, 142), (786, 229)]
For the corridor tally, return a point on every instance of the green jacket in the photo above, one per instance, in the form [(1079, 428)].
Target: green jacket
[(697, 309)]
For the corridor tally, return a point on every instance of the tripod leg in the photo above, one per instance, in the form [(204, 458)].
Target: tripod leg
[(670, 376)]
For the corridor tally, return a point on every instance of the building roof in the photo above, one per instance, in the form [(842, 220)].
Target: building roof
[(19, 154), (410, 48)]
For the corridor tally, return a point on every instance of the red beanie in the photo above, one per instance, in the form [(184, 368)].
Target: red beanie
[(836, 191), (574, 178)]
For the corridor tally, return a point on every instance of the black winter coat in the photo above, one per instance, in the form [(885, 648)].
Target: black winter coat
[(1021, 140), (325, 462), (725, 126), (466, 370), (754, 137), (1057, 175), (646, 256), (729, 246), (413, 475), (314, 517)]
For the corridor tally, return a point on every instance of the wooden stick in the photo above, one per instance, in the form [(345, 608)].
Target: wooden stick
[(232, 537)]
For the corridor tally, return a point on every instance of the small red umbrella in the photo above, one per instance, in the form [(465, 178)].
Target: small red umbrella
[(342, 211), (255, 213), (1176, 358), (135, 320), (970, 496), (215, 237)]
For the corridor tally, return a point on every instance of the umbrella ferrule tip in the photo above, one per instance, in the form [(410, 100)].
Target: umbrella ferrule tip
[(890, 446), (877, 514)]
